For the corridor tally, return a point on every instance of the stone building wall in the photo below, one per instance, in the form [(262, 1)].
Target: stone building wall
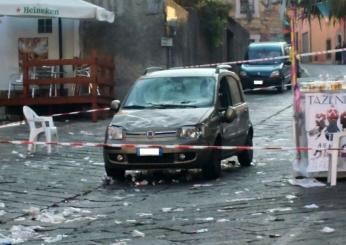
[(134, 39), (265, 23)]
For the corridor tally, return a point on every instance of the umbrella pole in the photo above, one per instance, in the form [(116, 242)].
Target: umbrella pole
[(61, 68)]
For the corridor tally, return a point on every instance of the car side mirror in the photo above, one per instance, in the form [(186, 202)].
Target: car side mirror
[(230, 115), (115, 105)]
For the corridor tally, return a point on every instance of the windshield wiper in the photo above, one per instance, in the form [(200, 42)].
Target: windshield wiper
[(172, 106)]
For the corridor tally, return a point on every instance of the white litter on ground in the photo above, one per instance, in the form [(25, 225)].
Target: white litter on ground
[(201, 185), (327, 229), (137, 233), (306, 182), (205, 219), (202, 230), (53, 217), (2, 212), (98, 163), (290, 197), (20, 234), (53, 239), (311, 206), (279, 209), (166, 210), (144, 214), (222, 220)]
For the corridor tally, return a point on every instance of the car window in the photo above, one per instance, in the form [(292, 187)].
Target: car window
[(189, 91), (235, 91), (262, 52), (224, 94)]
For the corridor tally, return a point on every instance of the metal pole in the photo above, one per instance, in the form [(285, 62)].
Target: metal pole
[(294, 84), (61, 68)]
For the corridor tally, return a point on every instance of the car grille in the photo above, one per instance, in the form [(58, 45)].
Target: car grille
[(152, 135)]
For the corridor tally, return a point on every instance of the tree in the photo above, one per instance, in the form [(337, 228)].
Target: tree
[(320, 8)]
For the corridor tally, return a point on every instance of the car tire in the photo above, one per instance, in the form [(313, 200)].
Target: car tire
[(115, 173), (212, 168), (245, 157), (281, 87)]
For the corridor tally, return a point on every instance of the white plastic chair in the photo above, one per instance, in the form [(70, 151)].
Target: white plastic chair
[(39, 125), (84, 72), (42, 72), (16, 80), (333, 161)]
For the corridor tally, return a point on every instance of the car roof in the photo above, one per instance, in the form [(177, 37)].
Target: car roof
[(184, 72), (266, 44)]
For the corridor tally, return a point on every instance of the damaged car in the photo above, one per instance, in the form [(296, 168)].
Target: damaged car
[(166, 110)]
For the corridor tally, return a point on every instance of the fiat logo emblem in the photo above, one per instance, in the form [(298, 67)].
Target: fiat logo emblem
[(150, 134), (258, 73)]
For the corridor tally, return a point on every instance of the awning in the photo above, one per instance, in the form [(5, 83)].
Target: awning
[(73, 9)]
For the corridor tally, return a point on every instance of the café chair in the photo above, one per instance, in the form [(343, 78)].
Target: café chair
[(16, 81), (39, 125)]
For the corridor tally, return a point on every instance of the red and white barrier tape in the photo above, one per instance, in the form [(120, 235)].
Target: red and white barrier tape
[(178, 147), (196, 66), (56, 115), (268, 59), (80, 112)]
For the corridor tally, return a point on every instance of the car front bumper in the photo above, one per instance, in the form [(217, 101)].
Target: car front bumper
[(248, 82), (168, 158)]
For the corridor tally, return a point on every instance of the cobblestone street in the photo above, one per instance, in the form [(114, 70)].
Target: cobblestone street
[(65, 198)]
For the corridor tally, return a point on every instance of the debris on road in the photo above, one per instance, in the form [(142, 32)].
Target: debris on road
[(327, 229), (311, 206), (306, 182)]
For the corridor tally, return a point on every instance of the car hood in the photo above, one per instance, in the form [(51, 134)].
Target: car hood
[(265, 68), (160, 118)]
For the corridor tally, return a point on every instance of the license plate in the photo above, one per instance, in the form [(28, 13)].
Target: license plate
[(149, 152), (258, 82)]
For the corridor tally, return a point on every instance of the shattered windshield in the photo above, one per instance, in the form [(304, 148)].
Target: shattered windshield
[(171, 92)]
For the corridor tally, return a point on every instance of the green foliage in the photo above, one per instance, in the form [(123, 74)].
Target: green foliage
[(213, 16), (337, 7)]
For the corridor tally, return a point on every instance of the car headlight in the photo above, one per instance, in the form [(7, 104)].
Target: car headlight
[(243, 73), (190, 132), (275, 74), (116, 133)]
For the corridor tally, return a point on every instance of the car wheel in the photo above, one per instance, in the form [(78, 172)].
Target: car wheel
[(281, 87), (115, 173), (212, 168), (245, 157)]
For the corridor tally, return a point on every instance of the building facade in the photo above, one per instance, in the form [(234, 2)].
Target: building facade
[(262, 18), (156, 33), (319, 35)]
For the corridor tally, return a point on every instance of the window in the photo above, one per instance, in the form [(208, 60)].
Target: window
[(329, 47), (247, 5), (235, 91), (246, 8), (224, 94), (45, 26)]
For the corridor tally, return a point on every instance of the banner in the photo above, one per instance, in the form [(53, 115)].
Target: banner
[(325, 115)]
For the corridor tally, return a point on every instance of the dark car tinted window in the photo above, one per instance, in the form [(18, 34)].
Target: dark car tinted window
[(260, 52)]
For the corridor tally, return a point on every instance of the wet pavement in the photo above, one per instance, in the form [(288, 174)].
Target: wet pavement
[(64, 198)]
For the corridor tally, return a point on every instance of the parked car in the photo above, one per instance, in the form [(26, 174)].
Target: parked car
[(266, 73), (192, 106)]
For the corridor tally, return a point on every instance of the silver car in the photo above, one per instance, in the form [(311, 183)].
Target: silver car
[(165, 111)]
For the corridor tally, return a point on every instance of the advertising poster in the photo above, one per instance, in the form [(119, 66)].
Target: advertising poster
[(34, 48), (325, 115)]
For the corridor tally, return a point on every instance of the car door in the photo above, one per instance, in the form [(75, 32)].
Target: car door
[(231, 131), (242, 110)]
